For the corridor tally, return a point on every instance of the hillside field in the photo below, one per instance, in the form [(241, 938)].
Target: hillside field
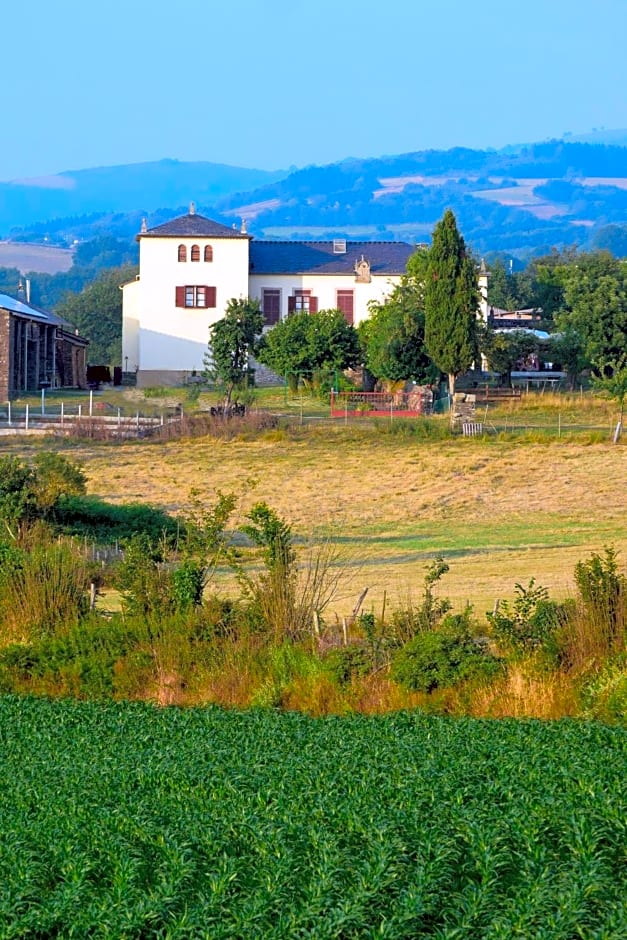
[(37, 258), (500, 511), (132, 821)]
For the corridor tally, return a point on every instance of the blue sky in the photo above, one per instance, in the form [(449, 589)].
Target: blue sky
[(274, 83)]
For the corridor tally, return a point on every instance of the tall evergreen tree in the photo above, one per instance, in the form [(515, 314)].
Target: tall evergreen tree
[(451, 301)]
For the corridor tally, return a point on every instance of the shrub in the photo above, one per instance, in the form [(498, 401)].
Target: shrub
[(530, 622), (603, 591), (445, 657), (595, 630), (604, 696), (105, 522), (410, 619)]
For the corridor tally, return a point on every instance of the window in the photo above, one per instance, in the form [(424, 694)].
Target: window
[(344, 300), (271, 306), (192, 295), (182, 253), (302, 300), (195, 254), (208, 253)]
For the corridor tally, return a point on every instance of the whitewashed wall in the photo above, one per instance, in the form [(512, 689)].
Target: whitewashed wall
[(172, 338), (325, 287)]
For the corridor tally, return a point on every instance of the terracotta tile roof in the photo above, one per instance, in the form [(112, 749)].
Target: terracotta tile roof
[(294, 257), (192, 225)]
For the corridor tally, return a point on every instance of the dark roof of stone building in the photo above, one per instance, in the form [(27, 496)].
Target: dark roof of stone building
[(192, 225), (294, 257), (22, 309)]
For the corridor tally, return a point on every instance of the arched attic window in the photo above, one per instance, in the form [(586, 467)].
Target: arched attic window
[(208, 253), (195, 253), (182, 253)]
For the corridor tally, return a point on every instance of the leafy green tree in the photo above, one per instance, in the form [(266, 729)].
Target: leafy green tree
[(595, 306), (305, 344), (504, 350), (566, 348), (451, 302), (615, 386), (393, 337), (232, 341), (97, 314)]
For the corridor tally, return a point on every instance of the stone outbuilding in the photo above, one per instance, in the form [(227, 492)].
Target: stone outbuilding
[(37, 350)]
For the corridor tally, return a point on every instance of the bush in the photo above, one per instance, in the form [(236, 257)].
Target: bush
[(603, 591), (595, 630), (530, 622), (445, 657), (107, 523)]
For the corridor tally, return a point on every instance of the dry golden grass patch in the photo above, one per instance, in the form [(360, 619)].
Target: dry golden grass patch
[(499, 511)]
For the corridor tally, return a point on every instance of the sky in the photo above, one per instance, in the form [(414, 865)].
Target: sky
[(279, 83)]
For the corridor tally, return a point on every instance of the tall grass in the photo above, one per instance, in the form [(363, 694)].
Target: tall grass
[(47, 592)]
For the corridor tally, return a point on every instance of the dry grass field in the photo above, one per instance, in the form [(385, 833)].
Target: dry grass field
[(500, 511), (26, 257)]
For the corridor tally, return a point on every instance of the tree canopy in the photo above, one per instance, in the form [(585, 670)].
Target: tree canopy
[(97, 314), (232, 340), (393, 336), (305, 344), (595, 307), (451, 301)]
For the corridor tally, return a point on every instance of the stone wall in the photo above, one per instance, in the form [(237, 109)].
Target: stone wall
[(464, 408)]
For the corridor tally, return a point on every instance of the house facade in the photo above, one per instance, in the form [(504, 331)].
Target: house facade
[(191, 267), (37, 350)]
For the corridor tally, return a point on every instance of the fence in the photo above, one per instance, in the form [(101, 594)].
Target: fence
[(399, 404), (95, 420)]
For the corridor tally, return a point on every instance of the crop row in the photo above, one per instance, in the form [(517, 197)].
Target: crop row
[(130, 821)]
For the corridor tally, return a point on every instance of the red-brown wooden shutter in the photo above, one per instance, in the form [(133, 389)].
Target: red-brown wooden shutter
[(211, 296), (180, 297), (313, 305), (291, 304)]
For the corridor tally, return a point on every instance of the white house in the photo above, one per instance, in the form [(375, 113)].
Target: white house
[(191, 267)]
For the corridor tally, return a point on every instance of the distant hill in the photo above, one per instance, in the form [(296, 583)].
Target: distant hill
[(138, 186), (521, 200)]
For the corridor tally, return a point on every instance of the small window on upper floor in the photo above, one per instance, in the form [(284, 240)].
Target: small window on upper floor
[(182, 253), (195, 253), (208, 253)]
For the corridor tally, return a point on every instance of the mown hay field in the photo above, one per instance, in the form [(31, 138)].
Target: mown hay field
[(500, 511)]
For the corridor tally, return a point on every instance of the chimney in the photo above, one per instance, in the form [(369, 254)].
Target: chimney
[(192, 208), (21, 293), (144, 227), (27, 290), (243, 229)]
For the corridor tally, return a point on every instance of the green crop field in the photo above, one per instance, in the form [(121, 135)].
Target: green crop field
[(127, 821)]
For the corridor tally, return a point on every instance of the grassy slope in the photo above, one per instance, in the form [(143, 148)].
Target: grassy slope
[(500, 511)]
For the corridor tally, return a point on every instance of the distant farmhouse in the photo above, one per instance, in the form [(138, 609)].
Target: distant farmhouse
[(37, 349), (191, 267)]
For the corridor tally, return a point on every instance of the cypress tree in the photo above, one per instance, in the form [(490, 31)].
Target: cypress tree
[(451, 302)]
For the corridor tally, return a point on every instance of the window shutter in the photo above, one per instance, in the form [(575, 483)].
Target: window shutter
[(180, 297), (313, 305), (211, 296), (291, 304)]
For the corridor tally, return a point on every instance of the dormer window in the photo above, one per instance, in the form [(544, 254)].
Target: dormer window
[(195, 254), (208, 253), (182, 253)]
